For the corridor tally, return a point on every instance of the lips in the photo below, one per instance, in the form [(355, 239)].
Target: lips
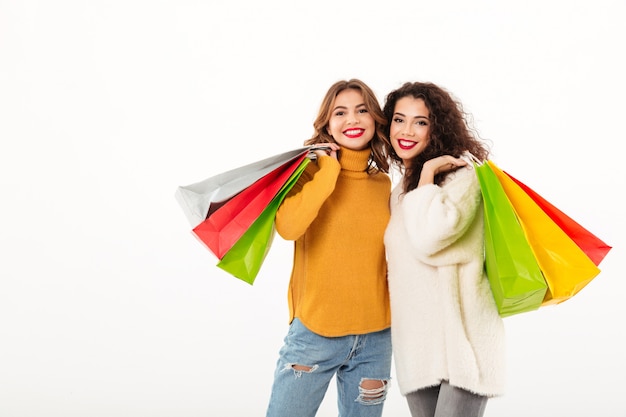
[(406, 144), (354, 133)]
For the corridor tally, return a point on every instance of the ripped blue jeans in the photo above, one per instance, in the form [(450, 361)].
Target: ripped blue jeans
[(308, 362)]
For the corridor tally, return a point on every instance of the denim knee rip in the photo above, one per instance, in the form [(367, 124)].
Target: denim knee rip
[(374, 396), (298, 372)]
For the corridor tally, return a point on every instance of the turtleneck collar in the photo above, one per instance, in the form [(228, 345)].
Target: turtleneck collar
[(351, 160)]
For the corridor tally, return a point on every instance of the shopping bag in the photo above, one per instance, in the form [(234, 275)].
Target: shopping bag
[(592, 245), (566, 268), (245, 257), (200, 199), (516, 280), (222, 228)]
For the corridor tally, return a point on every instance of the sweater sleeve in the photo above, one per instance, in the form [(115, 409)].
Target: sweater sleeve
[(300, 208), (438, 216)]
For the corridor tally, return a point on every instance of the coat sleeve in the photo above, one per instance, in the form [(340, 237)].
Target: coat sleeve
[(438, 218), (302, 204)]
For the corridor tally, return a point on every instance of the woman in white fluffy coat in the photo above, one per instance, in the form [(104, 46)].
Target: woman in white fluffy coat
[(448, 338)]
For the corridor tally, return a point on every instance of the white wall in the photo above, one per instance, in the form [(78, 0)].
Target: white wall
[(110, 307)]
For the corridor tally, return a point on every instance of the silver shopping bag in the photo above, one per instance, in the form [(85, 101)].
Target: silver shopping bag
[(200, 199)]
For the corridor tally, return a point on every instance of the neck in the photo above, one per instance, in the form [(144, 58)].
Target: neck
[(353, 160)]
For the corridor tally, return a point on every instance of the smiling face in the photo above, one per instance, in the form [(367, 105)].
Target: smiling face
[(351, 124), (409, 130)]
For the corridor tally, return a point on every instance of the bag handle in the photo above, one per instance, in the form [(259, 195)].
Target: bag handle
[(469, 157)]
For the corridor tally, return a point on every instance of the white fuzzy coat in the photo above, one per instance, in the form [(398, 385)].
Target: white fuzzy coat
[(445, 325)]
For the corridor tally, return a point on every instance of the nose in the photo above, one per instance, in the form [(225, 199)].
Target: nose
[(353, 118), (408, 130)]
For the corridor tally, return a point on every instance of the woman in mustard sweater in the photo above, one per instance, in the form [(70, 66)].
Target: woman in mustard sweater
[(338, 298)]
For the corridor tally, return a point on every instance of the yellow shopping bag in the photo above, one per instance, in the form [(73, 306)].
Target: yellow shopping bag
[(566, 268)]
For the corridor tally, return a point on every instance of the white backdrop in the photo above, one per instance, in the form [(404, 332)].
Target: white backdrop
[(108, 304)]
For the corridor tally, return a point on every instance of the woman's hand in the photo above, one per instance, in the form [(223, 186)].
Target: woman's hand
[(444, 163), (326, 149), (438, 165)]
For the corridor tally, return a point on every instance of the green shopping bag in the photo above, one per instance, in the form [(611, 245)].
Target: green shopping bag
[(514, 275), (245, 257)]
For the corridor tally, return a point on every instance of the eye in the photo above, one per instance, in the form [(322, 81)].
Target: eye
[(363, 111), (339, 113), (398, 120), (422, 123)]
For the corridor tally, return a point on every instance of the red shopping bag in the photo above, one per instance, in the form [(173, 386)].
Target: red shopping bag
[(593, 246), (222, 228), (245, 258)]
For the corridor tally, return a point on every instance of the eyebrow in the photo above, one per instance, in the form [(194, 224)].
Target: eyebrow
[(345, 107), (419, 116)]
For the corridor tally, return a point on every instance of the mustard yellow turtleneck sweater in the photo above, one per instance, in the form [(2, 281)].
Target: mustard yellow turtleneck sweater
[(337, 214)]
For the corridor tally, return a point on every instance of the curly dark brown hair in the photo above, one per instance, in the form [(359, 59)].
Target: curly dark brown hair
[(378, 160), (451, 132)]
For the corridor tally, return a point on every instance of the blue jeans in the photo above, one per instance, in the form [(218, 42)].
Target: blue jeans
[(354, 359)]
